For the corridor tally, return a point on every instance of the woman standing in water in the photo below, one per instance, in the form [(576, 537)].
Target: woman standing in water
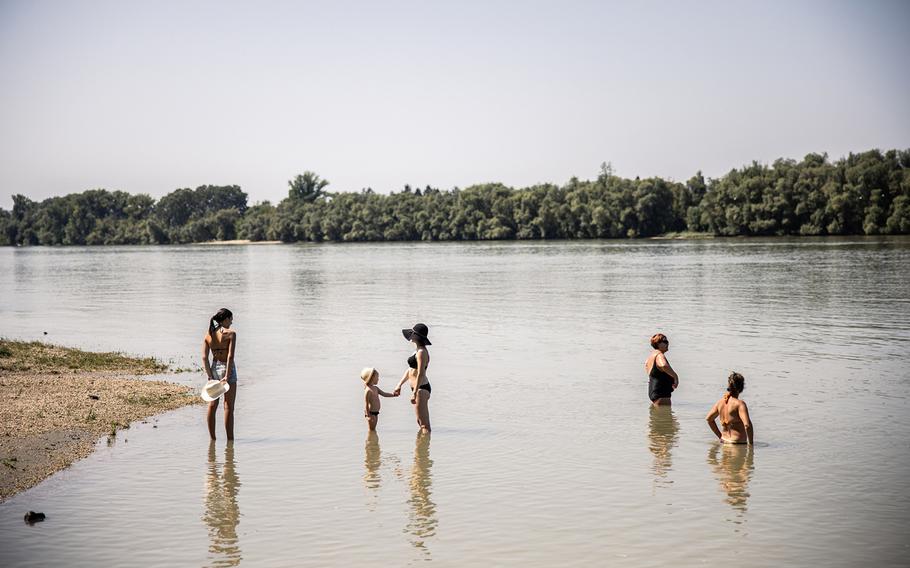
[(734, 414), (662, 379), (221, 341), (416, 375)]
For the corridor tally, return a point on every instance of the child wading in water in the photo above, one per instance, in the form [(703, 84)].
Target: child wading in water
[(371, 394)]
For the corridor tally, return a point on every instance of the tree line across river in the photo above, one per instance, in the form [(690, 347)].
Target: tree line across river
[(866, 193)]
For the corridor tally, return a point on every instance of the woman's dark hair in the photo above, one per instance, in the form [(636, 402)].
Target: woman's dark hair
[(735, 383), (215, 320)]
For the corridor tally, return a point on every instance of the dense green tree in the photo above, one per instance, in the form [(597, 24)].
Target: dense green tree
[(195, 215), (254, 225), (7, 228), (865, 193)]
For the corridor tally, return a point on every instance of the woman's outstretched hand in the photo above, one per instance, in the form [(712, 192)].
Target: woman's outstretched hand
[(396, 392)]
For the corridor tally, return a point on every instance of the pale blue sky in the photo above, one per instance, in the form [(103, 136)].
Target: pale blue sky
[(151, 96)]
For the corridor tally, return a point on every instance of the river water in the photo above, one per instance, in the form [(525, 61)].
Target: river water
[(544, 449)]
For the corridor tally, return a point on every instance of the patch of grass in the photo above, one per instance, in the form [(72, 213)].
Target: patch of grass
[(10, 462), (21, 356), (90, 417), (118, 426)]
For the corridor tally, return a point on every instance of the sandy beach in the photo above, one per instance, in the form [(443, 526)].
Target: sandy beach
[(56, 402), (240, 242)]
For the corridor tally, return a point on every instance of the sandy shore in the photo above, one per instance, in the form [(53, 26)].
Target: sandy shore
[(51, 418), (240, 242)]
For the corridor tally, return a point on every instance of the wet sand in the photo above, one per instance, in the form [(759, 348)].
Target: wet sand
[(51, 418)]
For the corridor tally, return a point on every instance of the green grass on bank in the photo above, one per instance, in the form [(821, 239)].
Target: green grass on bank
[(35, 356)]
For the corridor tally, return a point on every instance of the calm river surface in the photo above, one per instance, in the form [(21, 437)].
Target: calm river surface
[(544, 449)]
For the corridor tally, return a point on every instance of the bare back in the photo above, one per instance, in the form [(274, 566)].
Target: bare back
[(733, 428), (219, 343)]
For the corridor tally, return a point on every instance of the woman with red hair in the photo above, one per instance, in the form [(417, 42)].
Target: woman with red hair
[(662, 379)]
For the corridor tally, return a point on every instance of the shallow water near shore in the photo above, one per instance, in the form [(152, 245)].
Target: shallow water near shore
[(544, 449)]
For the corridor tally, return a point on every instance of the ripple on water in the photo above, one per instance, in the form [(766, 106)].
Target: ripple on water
[(544, 449)]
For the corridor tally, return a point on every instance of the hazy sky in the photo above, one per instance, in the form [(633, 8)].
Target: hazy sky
[(151, 96)]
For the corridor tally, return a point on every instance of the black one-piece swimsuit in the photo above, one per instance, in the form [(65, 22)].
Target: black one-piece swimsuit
[(660, 384)]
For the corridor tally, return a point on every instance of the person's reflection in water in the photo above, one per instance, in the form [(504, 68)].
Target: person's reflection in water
[(372, 461), (222, 514), (662, 436), (422, 519), (733, 466)]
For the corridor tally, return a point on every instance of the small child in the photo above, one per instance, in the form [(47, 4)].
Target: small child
[(371, 394)]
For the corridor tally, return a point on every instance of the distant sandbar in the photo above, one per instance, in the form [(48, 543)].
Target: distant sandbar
[(240, 242)]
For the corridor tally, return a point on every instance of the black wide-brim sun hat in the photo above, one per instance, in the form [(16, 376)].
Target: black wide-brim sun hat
[(420, 330)]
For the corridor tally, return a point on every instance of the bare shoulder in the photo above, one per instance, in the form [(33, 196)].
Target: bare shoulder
[(228, 334), (715, 410)]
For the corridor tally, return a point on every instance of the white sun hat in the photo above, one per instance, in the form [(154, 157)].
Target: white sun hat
[(213, 389), (367, 373)]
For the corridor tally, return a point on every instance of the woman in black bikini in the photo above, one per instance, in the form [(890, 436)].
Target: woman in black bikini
[(221, 341), (662, 379), (416, 375)]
